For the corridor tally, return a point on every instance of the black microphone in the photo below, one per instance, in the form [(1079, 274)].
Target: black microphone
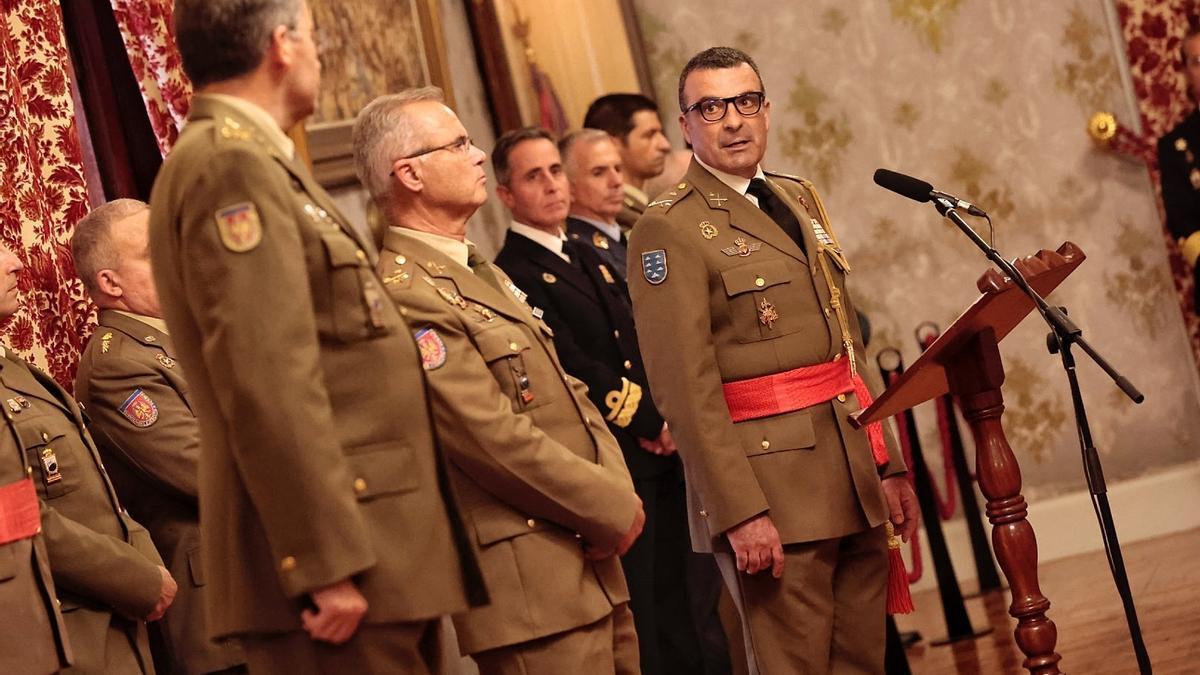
[(920, 191)]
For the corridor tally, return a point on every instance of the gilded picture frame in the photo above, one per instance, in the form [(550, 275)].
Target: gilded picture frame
[(368, 48)]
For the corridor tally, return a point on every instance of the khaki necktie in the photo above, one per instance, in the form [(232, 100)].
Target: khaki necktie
[(482, 269)]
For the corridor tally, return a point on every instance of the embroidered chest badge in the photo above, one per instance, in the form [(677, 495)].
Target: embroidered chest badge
[(165, 360), (741, 247), (654, 266), (139, 409), (433, 348)]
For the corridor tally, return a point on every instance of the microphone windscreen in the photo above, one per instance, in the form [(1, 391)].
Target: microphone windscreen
[(907, 186)]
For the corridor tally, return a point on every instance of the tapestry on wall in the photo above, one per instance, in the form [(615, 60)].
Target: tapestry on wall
[(149, 37), (42, 189)]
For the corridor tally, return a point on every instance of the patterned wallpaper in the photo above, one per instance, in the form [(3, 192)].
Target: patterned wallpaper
[(987, 99)]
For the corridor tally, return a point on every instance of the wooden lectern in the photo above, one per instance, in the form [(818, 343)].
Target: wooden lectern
[(965, 361)]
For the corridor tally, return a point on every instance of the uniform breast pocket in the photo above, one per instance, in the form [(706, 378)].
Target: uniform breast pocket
[(359, 308), (506, 349), (761, 300), (52, 460)]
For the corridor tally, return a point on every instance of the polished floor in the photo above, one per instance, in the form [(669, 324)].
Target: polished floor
[(1093, 638)]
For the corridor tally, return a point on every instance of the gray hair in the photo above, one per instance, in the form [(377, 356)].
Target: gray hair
[(568, 144), (382, 133), (91, 243)]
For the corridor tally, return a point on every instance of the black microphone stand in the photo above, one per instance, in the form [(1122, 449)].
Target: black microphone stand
[(1064, 334)]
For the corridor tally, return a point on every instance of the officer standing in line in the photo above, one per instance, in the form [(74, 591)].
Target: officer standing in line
[(752, 347), (108, 578), (633, 122), (332, 542), (586, 304), (34, 639), (128, 366), (541, 480)]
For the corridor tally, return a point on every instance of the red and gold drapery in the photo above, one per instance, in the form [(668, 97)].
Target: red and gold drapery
[(1153, 31), (149, 36), (42, 189)]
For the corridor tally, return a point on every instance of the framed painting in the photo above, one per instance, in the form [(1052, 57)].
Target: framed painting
[(368, 48), (580, 49)]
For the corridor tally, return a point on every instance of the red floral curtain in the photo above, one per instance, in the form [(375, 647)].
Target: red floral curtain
[(149, 36), (1153, 31), (42, 190)]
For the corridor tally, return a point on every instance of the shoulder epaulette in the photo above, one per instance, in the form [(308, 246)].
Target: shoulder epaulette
[(671, 197), (788, 176)]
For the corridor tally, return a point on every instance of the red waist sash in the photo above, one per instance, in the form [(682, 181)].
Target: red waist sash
[(19, 516), (801, 388)]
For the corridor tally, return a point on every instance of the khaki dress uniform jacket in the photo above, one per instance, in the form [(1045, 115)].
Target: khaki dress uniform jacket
[(534, 466), (721, 293), (318, 458), (34, 638), (153, 462), (104, 565), (703, 326)]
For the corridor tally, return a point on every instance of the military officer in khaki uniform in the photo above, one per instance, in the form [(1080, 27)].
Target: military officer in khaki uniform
[(752, 348), (109, 579), (143, 422), (332, 543), (34, 639), (633, 122), (542, 482)]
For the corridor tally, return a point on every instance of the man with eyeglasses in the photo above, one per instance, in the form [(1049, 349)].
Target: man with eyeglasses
[(542, 482), (1178, 166), (332, 542), (755, 358)]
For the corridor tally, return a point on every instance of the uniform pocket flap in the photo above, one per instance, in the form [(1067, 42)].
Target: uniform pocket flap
[(196, 567), (755, 276), (789, 431), (500, 342), (386, 468), (342, 251), (495, 523), (33, 435)]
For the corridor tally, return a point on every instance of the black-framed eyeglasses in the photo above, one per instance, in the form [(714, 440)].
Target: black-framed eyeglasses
[(714, 109), (459, 146)]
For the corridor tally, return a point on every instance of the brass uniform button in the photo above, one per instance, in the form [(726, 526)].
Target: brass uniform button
[(828, 312), (360, 254), (617, 334), (400, 260), (760, 282), (841, 398), (703, 513), (403, 311), (628, 365), (360, 485), (682, 186), (531, 522), (287, 564), (514, 346), (766, 445)]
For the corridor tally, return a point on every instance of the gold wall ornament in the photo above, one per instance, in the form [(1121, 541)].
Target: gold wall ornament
[(1102, 127)]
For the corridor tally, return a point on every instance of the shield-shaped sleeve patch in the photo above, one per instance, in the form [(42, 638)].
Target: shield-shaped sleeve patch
[(140, 409), (654, 266), (433, 348)]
